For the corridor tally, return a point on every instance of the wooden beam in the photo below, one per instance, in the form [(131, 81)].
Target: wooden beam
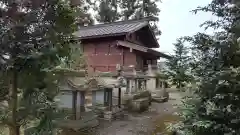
[(132, 46)]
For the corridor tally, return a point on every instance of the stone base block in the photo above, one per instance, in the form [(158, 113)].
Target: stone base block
[(108, 115), (140, 105)]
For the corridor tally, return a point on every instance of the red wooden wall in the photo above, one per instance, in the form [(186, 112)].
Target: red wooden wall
[(105, 55)]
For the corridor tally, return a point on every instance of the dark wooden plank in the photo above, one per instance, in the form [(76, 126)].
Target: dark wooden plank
[(82, 101), (119, 97), (110, 99), (74, 104), (105, 97)]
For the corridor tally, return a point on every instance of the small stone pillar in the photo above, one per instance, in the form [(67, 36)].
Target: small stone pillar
[(108, 113), (162, 85), (149, 68), (132, 86), (136, 85)]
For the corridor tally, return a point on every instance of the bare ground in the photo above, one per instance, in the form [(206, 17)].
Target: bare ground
[(144, 123)]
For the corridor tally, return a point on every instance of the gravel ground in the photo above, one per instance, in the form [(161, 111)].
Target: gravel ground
[(141, 124)]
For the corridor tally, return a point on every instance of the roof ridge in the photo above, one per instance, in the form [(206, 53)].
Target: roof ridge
[(119, 22)]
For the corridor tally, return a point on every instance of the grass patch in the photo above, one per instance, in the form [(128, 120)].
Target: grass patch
[(161, 123)]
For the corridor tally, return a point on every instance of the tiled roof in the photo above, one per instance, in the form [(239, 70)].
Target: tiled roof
[(110, 29)]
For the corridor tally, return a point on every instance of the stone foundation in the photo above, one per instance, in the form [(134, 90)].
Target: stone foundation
[(140, 105), (108, 115)]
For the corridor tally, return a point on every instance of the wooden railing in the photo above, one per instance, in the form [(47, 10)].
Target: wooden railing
[(151, 67), (145, 68)]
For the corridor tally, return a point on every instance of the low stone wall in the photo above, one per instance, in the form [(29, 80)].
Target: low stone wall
[(138, 102)]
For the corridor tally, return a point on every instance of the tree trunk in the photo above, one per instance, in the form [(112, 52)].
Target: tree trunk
[(14, 129)]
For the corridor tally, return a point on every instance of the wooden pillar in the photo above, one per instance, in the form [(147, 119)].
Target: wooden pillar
[(74, 105), (119, 97), (82, 101), (110, 99)]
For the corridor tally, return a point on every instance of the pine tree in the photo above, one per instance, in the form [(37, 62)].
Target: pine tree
[(138, 9), (81, 12), (108, 11), (177, 67), (34, 38), (214, 108), (117, 10)]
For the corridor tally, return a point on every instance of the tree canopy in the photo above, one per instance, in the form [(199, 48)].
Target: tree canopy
[(108, 11), (214, 107), (35, 35), (178, 70)]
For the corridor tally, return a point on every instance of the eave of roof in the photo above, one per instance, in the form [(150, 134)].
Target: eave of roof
[(101, 36), (142, 49), (154, 37), (159, 54), (132, 45)]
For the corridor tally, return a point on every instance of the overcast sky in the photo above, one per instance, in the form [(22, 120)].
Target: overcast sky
[(176, 20)]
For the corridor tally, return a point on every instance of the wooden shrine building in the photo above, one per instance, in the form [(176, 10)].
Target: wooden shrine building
[(129, 44)]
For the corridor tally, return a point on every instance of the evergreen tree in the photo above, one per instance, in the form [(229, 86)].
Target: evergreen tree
[(138, 9), (108, 11), (214, 108), (117, 10), (81, 12), (177, 67), (34, 38), (76, 60)]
